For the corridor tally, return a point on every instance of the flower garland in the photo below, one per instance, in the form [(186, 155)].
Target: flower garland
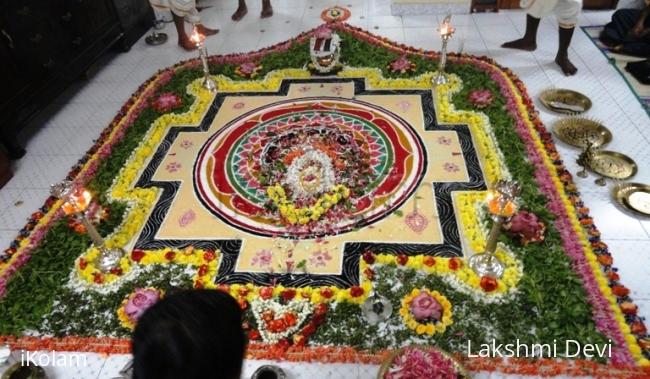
[(428, 323), (304, 215), (453, 270)]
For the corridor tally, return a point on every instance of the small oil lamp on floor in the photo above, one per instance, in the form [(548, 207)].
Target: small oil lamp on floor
[(199, 40), (376, 308), (502, 205), (446, 31), (76, 201)]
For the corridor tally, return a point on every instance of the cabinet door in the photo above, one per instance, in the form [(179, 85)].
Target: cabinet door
[(87, 19), (130, 11), (33, 42), (11, 84)]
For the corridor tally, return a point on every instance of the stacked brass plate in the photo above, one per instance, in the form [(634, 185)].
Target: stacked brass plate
[(565, 101), (633, 196), (613, 165), (580, 131)]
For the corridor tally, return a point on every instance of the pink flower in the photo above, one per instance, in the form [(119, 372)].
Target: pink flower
[(319, 258), (186, 144), (451, 167), (424, 306), (417, 363), (262, 258), (481, 98), (140, 301), (527, 226), (166, 102), (173, 167), (401, 64), (247, 68)]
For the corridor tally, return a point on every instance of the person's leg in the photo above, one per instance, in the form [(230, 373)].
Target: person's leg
[(562, 57), (183, 39), (205, 30), (267, 9), (529, 41), (567, 12), (241, 11)]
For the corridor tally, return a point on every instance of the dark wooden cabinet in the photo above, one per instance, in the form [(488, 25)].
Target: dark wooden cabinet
[(5, 169), (47, 44)]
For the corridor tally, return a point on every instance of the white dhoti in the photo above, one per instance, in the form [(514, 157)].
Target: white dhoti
[(182, 8), (566, 11)]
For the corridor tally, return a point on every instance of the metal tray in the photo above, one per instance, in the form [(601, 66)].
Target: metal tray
[(633, 196), (611, 164), (565, 101), (579, 131)]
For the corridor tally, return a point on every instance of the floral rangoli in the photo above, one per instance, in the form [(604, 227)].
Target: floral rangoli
[(305, 197)]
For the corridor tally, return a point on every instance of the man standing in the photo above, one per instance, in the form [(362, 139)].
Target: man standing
[(566, 11), (184, 10)]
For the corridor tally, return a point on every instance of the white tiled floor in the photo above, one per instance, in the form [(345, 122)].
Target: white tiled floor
[(63, 132)]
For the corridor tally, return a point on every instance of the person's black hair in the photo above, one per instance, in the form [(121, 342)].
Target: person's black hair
[(190, 334)]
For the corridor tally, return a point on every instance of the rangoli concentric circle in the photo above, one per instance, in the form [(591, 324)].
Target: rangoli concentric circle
[(286, 169)]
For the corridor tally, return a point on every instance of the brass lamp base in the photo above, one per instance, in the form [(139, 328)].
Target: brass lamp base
[(209, 84), (109, 258), (440, 79)]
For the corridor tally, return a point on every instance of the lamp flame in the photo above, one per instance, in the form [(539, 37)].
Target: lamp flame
[(196, 37), (78, 201), (446, 30)]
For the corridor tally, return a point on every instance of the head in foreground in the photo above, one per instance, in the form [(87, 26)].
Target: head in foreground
[(190, 334)]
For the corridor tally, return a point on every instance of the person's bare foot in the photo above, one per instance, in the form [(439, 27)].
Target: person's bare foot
[(565, 64), (267, 9), (521, 44), (186, 44), (239, 13), (205, 30)]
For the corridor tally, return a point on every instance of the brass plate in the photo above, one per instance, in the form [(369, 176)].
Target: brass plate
[(613, 165), (575, 101), (633, 196), (578, 131)]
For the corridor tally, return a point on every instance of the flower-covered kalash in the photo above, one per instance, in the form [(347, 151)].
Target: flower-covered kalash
[(570, 232)]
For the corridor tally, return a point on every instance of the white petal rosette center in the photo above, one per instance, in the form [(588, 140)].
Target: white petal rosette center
[(310, 175)]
